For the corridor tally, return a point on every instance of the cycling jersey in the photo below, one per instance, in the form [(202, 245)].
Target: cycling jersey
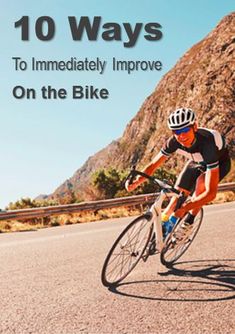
[(208, 148)]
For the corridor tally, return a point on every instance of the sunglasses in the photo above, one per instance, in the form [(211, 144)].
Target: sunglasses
[(184, 130)]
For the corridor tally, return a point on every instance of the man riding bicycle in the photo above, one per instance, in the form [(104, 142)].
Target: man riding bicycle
[(208, 164)]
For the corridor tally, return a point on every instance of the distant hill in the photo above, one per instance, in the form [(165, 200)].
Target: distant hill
[(203, 79)]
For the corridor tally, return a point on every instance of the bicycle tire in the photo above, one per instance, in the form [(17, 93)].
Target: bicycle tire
[(140, 229), (173, 249)]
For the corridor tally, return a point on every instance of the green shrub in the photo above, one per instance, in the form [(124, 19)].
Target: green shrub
[(110, 182)]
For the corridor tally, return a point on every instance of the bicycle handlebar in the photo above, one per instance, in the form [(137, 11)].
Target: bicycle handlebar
[(161, 184)]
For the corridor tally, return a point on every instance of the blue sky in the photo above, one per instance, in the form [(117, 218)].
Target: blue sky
[(44, 142)]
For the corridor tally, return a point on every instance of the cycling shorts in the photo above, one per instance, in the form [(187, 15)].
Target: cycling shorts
[(192, 170)]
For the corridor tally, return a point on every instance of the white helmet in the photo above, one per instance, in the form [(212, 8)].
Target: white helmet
[(181, 118)]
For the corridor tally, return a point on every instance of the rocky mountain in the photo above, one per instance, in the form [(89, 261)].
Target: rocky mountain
[(203, 79)]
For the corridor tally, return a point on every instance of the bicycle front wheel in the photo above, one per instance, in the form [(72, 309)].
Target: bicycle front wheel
[(127, 250), (179, 240)]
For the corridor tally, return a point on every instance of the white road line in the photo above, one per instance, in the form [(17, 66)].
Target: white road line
[(56, 237), (96, 230)]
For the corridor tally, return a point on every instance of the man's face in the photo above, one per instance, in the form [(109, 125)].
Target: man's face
[(185, 136)]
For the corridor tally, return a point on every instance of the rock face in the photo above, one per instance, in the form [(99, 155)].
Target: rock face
[(203, 79)]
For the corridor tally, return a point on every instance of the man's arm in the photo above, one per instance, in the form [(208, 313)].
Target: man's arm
[(149, 169)]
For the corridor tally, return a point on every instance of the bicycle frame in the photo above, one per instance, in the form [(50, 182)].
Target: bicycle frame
[(156, 210), (156, 207), (136, 240)]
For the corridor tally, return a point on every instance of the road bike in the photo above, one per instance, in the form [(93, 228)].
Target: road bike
[(144, 237)]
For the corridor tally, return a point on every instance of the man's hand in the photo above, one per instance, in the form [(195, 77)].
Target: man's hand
[(149, 169), (130, 187)]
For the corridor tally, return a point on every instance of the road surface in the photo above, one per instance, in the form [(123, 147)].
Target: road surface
[(50, 282)]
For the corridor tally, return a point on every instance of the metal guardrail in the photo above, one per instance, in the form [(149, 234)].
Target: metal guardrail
[(88, 206)]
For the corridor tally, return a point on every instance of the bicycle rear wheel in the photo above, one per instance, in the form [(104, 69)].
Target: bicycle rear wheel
[(179, 241), (127, 250)]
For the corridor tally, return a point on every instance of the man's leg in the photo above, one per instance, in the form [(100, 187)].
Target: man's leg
[(200, 188), (182, 180), (186, 181), (173, 202)]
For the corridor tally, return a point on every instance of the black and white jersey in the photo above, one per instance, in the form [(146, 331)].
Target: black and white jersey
[(208, 148)]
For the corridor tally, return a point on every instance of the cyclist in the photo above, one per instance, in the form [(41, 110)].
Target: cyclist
[(208, 164)]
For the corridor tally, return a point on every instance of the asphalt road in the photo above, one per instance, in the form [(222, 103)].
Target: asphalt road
[(50, 282)]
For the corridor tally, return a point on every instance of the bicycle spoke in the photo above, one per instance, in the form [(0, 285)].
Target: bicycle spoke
[(121, 262), (127, 250), (138, 231), (181, 239)]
